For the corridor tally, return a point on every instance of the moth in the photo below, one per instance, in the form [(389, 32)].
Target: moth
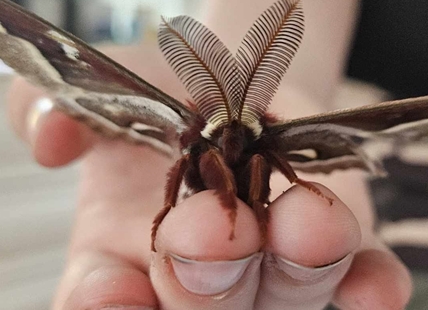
[(227, 140)]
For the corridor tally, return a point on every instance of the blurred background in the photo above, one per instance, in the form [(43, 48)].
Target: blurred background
[(389, 59)]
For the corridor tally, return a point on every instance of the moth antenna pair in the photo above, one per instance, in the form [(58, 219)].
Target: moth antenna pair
[(225, 87)]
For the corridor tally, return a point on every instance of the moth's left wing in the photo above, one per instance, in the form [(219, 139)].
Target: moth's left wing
[(336, 140), (88, 85)]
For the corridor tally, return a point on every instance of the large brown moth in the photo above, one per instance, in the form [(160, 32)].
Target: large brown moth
[(227, 141)]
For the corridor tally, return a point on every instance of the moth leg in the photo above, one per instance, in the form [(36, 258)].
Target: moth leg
[(288, 171), (174, 180), (217, 175), (259, 189)]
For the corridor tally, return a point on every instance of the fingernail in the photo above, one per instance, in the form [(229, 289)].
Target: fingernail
[(304, 273), (119, 307), (209, 277), (39, 109)]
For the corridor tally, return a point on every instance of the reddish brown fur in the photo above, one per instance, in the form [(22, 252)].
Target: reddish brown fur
[(217, 175), (259, 191), (269, 118), (260, 172), (193, 134), (233, 143), (174, 180), (232, 162)]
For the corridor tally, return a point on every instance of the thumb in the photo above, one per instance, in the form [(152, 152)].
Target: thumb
[(309, 249), (197, 266)]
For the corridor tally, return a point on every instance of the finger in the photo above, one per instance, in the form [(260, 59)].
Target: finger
[(376, 277), (55, 138), (109, 254), (20, 98), (376, 280), (308, 249), (196, 266), (104, 282)]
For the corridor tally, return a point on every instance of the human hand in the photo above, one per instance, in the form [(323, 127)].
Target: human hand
[(121, 190)]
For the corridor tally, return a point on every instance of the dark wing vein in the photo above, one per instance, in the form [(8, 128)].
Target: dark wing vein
[(203, 63), (265, 55)]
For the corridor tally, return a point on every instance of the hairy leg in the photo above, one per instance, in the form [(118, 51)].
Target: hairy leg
[(288, 171), (217, 175), (175, 178), (259, 172)]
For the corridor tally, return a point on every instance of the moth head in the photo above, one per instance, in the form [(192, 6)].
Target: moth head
[(232, 140)]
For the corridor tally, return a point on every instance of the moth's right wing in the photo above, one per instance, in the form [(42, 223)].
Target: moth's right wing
[(338, 139), (87, 84)]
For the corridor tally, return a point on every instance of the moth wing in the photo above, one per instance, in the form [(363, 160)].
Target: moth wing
[(87, 84), (339, 139)]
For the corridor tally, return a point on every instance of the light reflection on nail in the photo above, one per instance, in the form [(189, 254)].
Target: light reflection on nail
[(304, 273), (39, 109), (120, 307), (209, 277)]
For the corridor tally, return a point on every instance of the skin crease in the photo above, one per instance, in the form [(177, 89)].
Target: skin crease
[(109, 257)]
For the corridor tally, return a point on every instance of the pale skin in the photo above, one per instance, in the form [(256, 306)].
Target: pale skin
[(121, 190)]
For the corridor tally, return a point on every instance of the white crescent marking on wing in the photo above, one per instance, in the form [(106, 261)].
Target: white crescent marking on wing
[(67, 45), (114, 109), (70, 51), (309, 153), (142, 127), (59, 37), (2, 29)]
